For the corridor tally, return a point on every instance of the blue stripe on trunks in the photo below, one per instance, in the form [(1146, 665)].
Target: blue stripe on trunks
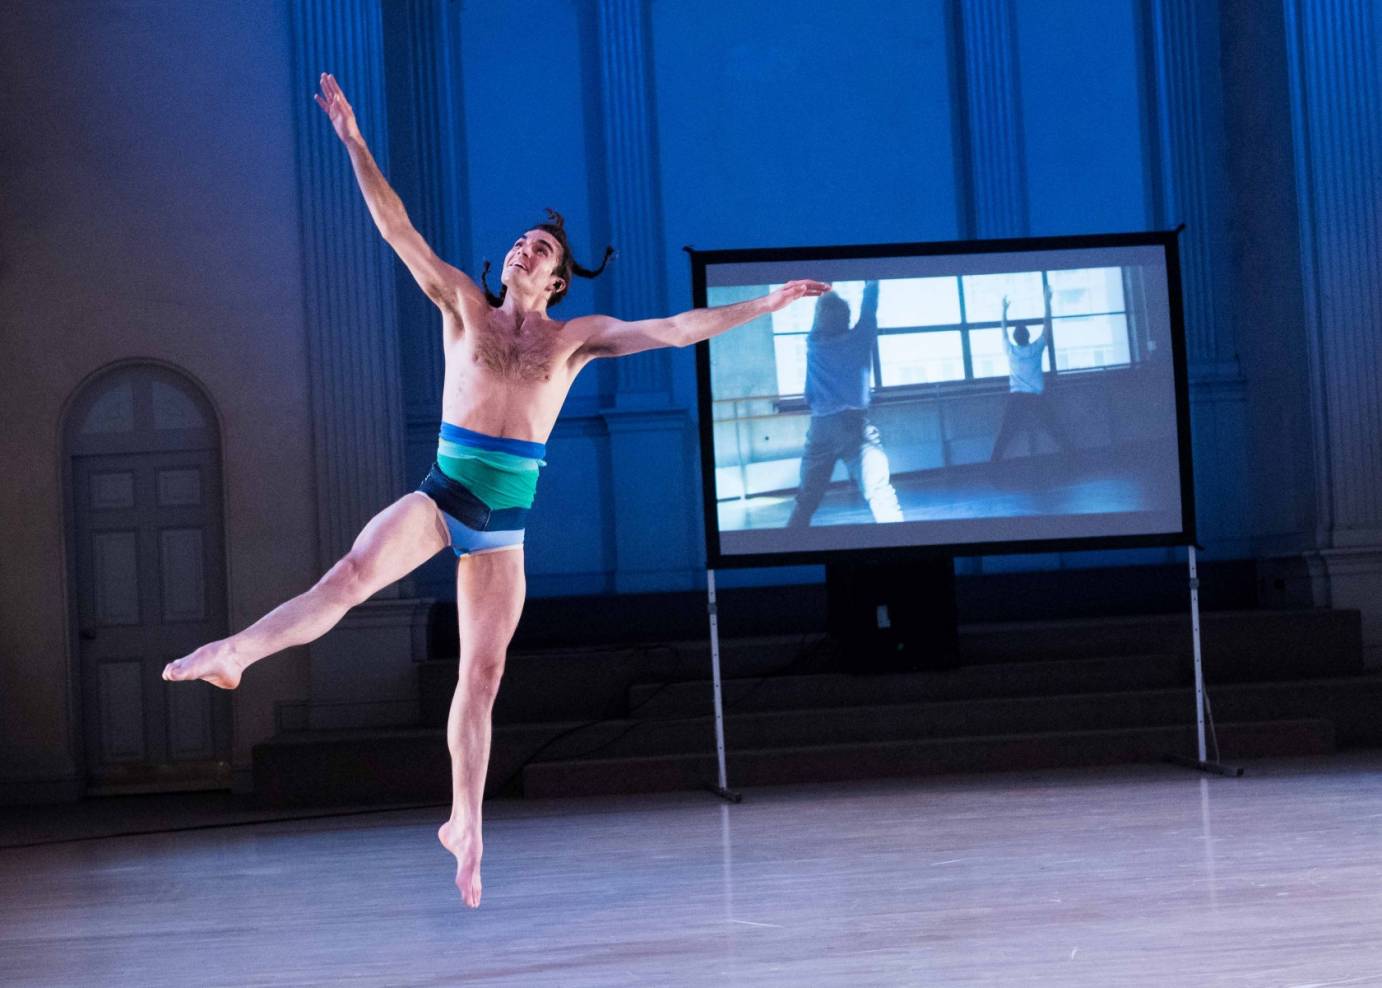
[(518, 447), (473, 526)]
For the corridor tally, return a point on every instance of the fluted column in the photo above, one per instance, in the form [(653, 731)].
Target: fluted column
[(1190, 166), (634, 202), (995, 145), (1334, 56), (1334, 70), (348, 278), (1189, 180), (425, 72), (428, 169), (650, 454)]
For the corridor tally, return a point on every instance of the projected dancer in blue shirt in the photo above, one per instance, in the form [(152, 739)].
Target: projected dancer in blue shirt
[(1027, 398), (837, 391)]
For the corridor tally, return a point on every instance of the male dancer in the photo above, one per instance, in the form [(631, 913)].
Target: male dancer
[(1027, 398), (508, 369), (838, 362)]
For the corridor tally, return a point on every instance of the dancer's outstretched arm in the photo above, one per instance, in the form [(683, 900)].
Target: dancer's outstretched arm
[(444, 284), (1047, 331), (868, 310), (605, 336)]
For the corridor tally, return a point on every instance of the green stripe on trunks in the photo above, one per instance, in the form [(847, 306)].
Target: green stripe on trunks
[(501, 480)]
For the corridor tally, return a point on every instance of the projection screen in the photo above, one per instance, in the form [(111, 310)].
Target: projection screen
[(959, 398)]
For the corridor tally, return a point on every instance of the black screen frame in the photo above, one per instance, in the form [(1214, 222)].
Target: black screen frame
[(1166, 239)]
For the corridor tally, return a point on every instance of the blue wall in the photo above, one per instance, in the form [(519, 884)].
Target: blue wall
[(795, 123), (1082, 116)]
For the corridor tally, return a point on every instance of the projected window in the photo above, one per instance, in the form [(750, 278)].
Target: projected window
[(1089, 318), (934, 330), (987, 353), (918, 342), (790, 351), (921, 358)]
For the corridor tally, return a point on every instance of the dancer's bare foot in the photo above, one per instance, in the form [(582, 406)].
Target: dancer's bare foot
[(467, 848), (216, 663)]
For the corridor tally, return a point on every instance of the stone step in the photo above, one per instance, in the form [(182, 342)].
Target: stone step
[(662, 700), (561, 684), (332, 768), (921, 757), (1350, 704), (1237, 645), (572, 683)]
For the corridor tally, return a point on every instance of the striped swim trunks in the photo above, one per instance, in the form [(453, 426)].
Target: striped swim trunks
[(484, 487)]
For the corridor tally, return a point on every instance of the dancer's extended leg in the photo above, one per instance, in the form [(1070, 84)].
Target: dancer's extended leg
[(1047, 412), (869, 469), (1012, 423), (395, 542), (489, 600), (817, 464)]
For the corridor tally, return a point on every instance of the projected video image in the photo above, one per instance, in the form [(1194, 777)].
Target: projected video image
[(961, 399)]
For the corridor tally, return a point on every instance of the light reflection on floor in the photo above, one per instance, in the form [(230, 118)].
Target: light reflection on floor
[(1139, 876)]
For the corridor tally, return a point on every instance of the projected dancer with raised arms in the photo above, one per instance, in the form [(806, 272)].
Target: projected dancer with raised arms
[(508, 370), (838, 359), (1027, 398)]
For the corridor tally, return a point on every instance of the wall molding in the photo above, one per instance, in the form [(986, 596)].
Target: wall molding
[(1335, 76), (348, 279), (425, 84), (993, 141), (633, 194), (1190, 171)]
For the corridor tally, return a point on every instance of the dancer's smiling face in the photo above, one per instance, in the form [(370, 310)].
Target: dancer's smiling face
[(537, 259)]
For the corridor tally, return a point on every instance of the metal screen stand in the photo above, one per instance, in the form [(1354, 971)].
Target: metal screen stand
[(721, 789), (1202, 710)]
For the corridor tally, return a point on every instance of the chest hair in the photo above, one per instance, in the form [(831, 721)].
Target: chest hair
[(517, 351)]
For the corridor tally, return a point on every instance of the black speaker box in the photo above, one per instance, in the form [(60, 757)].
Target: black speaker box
[(894, 616)]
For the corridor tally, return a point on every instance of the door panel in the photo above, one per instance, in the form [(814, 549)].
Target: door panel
[(112, 490), (182, 567), (179, 488), (115, 571), (122, 710), (150, 588)]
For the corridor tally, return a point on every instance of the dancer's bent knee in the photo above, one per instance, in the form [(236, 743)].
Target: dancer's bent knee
[(346, 583)]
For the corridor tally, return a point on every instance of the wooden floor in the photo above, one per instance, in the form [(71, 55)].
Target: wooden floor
[(1140, 876)]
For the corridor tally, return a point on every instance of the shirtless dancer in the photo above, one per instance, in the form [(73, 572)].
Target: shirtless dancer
[(508, 370)]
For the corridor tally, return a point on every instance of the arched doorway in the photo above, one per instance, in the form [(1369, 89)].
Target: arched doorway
[(147, 578)]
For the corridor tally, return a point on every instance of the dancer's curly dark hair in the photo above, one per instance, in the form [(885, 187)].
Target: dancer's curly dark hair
[(565, 268)]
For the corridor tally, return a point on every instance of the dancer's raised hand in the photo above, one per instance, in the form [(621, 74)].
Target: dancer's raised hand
[(337, 108)]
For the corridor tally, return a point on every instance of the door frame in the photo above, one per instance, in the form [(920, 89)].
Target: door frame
[(75, 403)]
